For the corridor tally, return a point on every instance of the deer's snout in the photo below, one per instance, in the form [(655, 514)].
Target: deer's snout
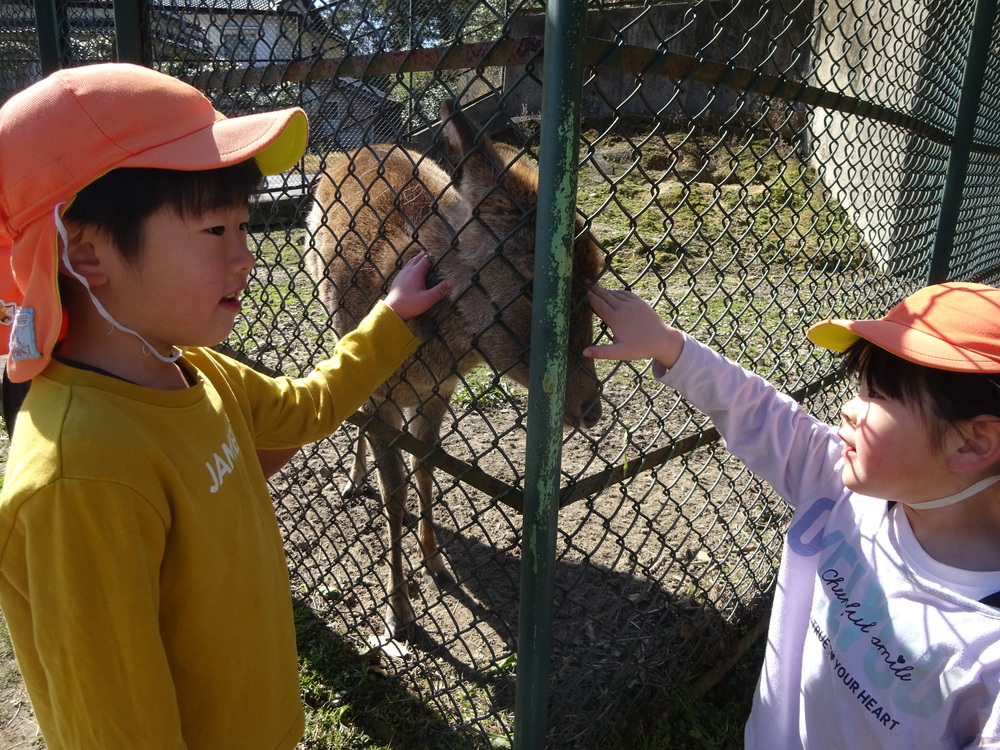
[(588, 415), (591, 412)]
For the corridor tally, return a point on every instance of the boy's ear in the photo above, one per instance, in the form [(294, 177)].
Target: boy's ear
[(86, 251), (977, 445)]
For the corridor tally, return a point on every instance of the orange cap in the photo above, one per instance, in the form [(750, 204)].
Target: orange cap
[(62, 133), (953, 326)]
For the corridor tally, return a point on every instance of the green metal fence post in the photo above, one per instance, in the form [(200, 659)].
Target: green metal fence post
[(50, 16), (562, 76), (128, 32), (977, 58)]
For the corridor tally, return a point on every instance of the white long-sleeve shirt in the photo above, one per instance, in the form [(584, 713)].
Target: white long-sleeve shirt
[(872, 643)]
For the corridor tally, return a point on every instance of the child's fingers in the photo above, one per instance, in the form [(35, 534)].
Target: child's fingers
[(597, 351), (440, 290), (614, 351), (612, 307), (413, 265), (602, 303), (414, 271), (613, 298), (598, 304), (605, 296)]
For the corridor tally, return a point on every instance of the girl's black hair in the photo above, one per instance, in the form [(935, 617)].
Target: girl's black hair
[(952, 397), (120, 202)]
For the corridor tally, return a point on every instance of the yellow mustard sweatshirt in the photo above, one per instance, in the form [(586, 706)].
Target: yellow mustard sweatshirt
[(142, 572)]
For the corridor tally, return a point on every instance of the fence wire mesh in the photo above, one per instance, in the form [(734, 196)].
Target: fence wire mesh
[(749, 167)]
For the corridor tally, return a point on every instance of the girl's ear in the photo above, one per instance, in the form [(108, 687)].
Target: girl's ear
[(86, 251), (976, 444)]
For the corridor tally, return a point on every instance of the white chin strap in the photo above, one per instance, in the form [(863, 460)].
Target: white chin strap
[(175, 353), (957, 497)]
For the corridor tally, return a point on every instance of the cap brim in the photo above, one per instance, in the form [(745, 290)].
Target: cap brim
[(903, 341), (276, 140), (832, 334)]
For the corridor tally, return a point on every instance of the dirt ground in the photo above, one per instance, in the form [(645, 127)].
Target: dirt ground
[(654, 578), (17, 721), (18, 728)]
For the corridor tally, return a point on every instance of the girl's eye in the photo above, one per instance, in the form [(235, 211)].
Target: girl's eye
[(870, 393), (865, 390), (245, 226)]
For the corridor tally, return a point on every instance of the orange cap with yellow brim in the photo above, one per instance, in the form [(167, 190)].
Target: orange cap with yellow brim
[(952, 326), (62, 133)]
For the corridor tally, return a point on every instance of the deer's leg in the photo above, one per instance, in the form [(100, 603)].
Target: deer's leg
[(426, 425), (359, 468), (393, 479)]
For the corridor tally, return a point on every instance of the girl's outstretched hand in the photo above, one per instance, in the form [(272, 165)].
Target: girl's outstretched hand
[(637, 330), (408, 295)]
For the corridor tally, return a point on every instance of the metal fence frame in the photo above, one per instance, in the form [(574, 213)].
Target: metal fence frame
[(567, 52)]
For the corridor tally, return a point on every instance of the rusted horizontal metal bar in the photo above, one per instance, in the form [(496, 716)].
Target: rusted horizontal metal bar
[(597, 483), (499, 490), (434, 455), (597, 53), (429, 454), (504, 52)]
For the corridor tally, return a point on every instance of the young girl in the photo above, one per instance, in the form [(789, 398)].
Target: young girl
[(885, 631)]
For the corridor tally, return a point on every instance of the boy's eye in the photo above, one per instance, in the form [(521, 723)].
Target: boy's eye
[(221, 229)]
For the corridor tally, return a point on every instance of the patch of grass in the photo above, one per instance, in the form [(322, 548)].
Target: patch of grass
[(683, 195), (283, 323), (6, 649), (481, 389), (352, 703), (10, 675)]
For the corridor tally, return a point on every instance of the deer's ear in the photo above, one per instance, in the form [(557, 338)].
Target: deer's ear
[(458, 134), (474, 161), (447, 108)]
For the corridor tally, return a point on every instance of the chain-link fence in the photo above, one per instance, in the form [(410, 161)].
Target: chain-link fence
[(750, 167)]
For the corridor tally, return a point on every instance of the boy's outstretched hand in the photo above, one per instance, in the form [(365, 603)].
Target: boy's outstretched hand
[(408, 295), (637, 330)]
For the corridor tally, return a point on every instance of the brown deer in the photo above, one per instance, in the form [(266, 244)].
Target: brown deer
[(374, 209)]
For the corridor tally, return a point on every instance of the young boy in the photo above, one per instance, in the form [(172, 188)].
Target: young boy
[(885, 631), (142, 573)]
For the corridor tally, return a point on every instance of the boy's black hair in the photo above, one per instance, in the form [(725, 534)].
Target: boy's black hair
[(120, 202), (951, 397)]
